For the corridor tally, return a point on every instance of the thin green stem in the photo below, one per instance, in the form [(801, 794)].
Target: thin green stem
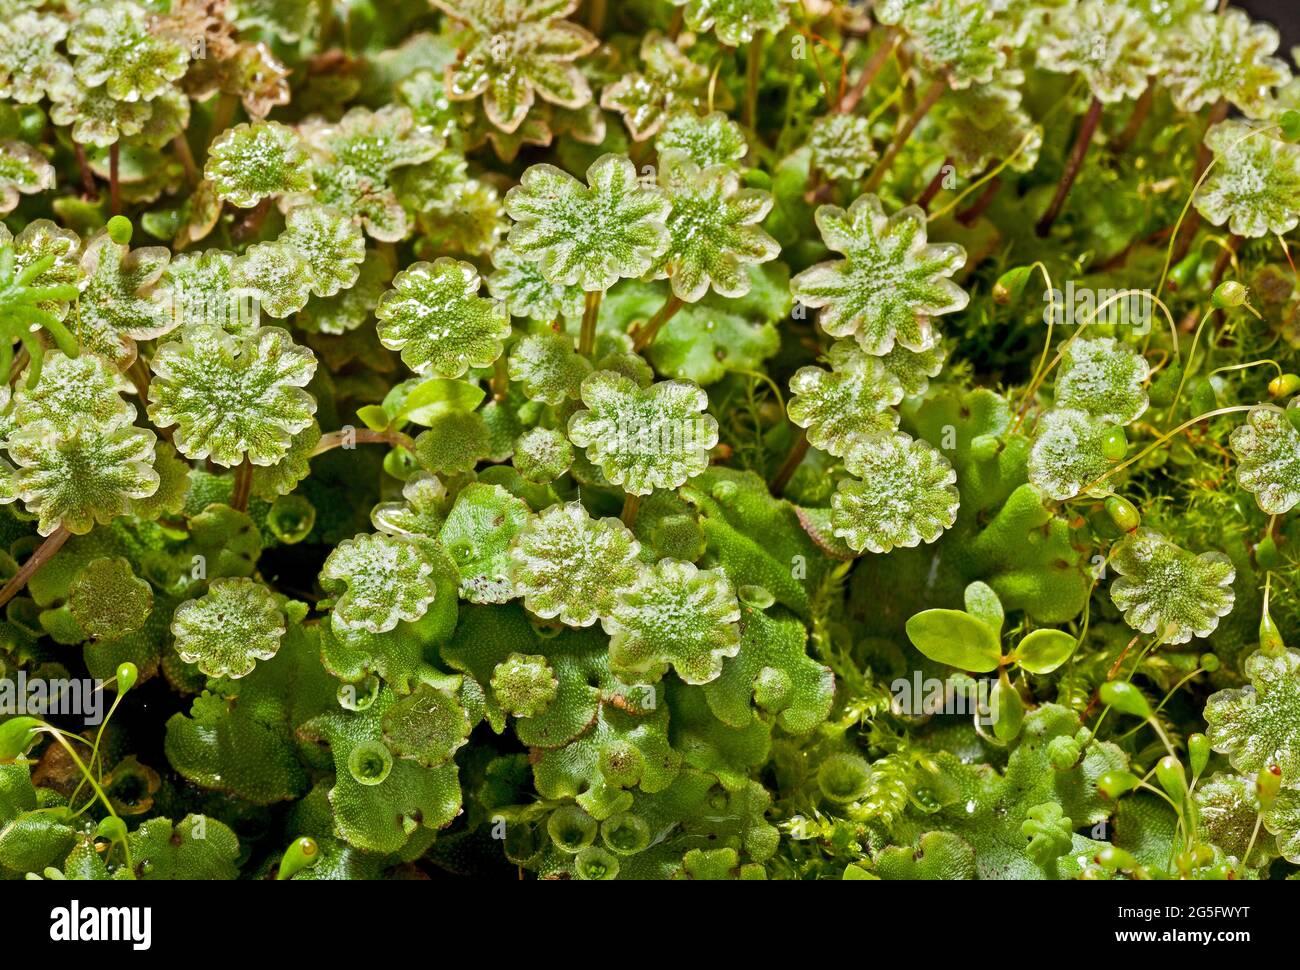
[(58, 736), (1033, 389), (631, 505), (1039, 372), (1253, 363), (243, 486), (644, 336), (99, 737), (1160, 733), (1173, 237), (983, 180), (590, 314), (885, 104), (1217, 412), (1159, 707), (99, 792), (1250, 846), (1156, 791), (1191, 359), (771, 385)]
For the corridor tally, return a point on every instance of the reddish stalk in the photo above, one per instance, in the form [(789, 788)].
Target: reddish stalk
[(181, 146), (362, 436), (631, 505), (243, 486), (1141, 111), (88, 188), (222, 115), (597, 10), (936, 183), (500, 379), (251, 224), (753, 69), (114, 186), (138, 373), (969, 216), (931, 97), (43, 554), (1203, 157), (869, 74), (1072, 168), (792, 462)]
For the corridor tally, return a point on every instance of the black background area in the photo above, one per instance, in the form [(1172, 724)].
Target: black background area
[(1283, 14)]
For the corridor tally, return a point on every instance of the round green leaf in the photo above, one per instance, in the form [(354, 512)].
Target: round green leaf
[(1042, 651), (955, 638)]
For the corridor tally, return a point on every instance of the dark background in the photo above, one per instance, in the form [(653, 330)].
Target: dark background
[(1283, 14)]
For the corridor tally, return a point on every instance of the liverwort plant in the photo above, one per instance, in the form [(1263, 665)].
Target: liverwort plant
[(356, 160), (669, 86), (610, 441), (380, 581), (850, 402), (707, 141), (890, 284), (236, 401), (590, 235), (957, 41), (901, 494), (228, 629), (675, 615), (116, 307), (643, 438), (249, 163), (436, 318), (39, 277), (81, 474), (1267, 447), (517, 51), (1255, 186), (1224, 57), (1169, 591), (567, 565), (713, 237), (1107, 45)]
